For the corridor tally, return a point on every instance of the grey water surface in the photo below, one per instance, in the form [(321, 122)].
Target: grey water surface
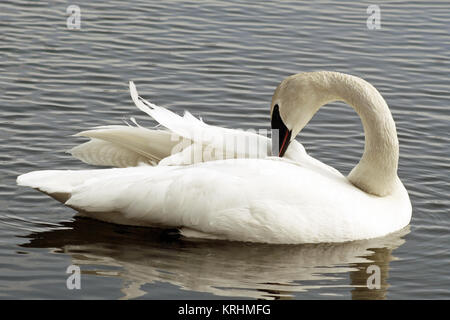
[(220, 60)]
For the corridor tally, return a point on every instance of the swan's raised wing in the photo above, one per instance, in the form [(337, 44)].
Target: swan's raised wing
[(185, 140), (124, 146)]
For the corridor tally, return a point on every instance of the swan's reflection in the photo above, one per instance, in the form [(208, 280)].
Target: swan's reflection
[(144, 255)]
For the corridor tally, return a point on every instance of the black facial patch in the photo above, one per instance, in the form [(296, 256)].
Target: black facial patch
[(281, 136)]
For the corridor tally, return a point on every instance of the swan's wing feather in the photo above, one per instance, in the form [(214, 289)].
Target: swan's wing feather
[(198, 132), (104, 153), (186, 126), (163, 195), (151, 144), (211, 197)]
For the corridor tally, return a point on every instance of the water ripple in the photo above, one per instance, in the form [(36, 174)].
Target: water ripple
[(221, 60)]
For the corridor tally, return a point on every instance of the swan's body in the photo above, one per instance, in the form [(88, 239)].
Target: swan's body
[(295, 199)]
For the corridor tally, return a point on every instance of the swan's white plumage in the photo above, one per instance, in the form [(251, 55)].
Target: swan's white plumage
[(247, 196), (230, 199), (131, 145), (187, 126), (103, 153)]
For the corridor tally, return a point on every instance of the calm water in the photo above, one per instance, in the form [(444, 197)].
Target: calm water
[(221, 60)]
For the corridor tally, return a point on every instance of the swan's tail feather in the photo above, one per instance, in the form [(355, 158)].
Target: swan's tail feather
[(58, 184), (124, 146), (61, 184)]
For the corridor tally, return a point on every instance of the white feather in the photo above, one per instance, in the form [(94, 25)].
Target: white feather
[(104, 153), (151, 144)]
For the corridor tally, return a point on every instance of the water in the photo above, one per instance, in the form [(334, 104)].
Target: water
[(221, 60)]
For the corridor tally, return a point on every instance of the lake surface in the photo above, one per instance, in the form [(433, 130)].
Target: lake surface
[(221, 60)]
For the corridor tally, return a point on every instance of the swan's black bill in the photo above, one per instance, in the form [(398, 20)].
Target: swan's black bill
[(281, 136)]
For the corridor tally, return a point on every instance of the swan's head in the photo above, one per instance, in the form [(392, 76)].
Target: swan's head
[(294, 103)]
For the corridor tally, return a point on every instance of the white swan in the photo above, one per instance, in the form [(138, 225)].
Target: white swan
[(295, 199)]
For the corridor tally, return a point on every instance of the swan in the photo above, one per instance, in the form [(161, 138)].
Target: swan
[(290, 198)]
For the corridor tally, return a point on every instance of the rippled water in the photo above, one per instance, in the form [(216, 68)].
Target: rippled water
[(222, 61)]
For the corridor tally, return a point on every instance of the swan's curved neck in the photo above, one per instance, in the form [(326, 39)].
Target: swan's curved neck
[(376, 172)]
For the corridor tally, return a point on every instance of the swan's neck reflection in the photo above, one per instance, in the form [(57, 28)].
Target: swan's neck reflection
[(142, 256)]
